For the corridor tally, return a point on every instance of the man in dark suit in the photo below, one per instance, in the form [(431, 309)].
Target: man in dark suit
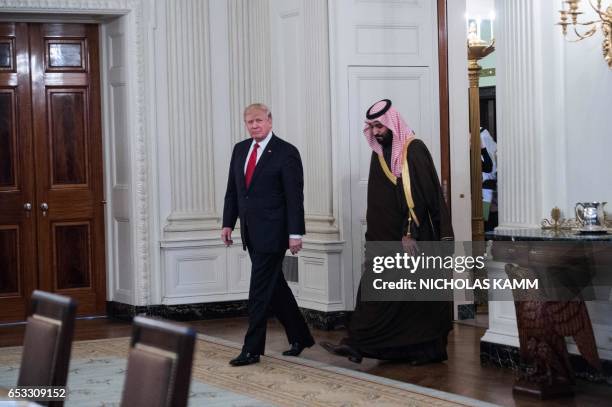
[(265, 189)]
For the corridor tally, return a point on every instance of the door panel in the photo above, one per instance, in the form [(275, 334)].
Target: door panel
[(7, 53), (17, 224), (9, 260), (72, 255), (8, 140), (68, 136), (66, 122)]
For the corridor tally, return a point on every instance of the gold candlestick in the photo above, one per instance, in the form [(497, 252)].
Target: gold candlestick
[(477, 49)]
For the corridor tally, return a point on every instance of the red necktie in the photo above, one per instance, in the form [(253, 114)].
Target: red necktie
[(251, 165)]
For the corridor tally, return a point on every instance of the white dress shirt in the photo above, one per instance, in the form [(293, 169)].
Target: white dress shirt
[(262, 146), (486, 141)]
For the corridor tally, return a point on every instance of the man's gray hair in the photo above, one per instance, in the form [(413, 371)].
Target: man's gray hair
[(260, 107)]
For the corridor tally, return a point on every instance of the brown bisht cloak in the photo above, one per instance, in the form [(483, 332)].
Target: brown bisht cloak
[(406, 329)]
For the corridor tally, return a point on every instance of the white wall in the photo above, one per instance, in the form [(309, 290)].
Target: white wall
[(553, 115), (576, 117), (588, 132)]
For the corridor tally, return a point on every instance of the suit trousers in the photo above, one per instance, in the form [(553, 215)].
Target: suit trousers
[(269, 294)]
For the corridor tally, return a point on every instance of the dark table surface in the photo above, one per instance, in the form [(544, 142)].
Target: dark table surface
[(539, 234)]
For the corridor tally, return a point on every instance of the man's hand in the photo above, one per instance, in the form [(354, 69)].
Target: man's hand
[(295, 245), (410, 246), (226, 236)]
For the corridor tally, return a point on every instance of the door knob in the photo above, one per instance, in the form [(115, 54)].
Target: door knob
[(27, 206), (44, 207)]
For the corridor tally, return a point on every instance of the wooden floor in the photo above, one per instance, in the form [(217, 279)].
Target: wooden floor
[(461, 374)]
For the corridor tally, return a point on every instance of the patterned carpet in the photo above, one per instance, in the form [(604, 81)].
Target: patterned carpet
[(98, 367)]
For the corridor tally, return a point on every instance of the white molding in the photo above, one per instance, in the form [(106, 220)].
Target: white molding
[(190, 118), (260, 60), (196, 242), (323, 306), (117, 176), (182, 265), (250, 60), (240, 97), (368, 38), (239, 271), (340, 140), (102, 7), (197, 299), (317, 145), (149, 41), (500, 338), (287, 50), (459, 122), (140, 168), (301, 101), (416, 17), (321, 283)]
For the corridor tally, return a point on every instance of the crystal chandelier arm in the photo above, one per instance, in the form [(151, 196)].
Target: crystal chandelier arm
[(588, 23), (586, 35), (598, 9)]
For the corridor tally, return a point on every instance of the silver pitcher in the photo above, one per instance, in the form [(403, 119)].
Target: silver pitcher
[(591, 215)]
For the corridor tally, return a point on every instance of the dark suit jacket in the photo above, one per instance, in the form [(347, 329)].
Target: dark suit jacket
[(272, 207)]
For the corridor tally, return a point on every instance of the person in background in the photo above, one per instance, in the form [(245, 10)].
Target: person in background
[(265, 189), (404, 204), (489, 180)]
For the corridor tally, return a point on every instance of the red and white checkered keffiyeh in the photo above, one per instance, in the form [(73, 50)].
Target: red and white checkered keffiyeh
[(401, 134)]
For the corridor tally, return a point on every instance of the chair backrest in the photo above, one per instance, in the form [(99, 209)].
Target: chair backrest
[(159, 364), (48, 341)]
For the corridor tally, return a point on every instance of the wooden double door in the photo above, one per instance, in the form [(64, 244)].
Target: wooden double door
[(51, 178)]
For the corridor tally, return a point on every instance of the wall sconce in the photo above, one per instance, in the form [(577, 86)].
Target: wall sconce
[(605, 19)]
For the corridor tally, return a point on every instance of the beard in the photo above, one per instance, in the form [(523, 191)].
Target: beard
[(385, 139)]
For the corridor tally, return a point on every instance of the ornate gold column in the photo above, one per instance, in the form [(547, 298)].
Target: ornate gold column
[(477, 49)]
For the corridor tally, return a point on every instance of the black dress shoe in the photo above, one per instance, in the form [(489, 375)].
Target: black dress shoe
[(343, 350), (427, 359), (296, 349), (245, 358)]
